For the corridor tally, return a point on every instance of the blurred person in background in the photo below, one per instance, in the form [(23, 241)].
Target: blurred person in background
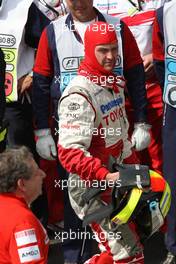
[(164, 42)]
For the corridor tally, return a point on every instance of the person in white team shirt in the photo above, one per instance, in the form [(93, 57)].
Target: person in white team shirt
[(139, 16)]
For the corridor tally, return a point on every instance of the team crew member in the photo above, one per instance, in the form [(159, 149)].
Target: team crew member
[(23, 238), (89, 106), (164, 41), (139, 16), (40, 14)]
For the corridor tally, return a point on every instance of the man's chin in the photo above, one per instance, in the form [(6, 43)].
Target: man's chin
[(109, 68), (81, 16)]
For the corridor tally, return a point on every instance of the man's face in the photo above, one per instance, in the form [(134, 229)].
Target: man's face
[(106, 55), (33, 186), (81, 10)]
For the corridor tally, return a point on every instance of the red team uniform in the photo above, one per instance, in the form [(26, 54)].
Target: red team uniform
[(23, 238)]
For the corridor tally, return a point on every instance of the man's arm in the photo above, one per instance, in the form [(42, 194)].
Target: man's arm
[(42, 78), (75, 136), (134, 74), (158, 46), (29, 242)]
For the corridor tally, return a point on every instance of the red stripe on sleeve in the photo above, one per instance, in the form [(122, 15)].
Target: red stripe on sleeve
[(88, 168)]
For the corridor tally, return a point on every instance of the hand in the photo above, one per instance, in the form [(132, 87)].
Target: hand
[(148, 66), (45, 145), (24, 83), (141, 138), (112, 176)]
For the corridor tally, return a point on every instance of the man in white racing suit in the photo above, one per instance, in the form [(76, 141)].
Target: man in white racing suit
[(93, 126)]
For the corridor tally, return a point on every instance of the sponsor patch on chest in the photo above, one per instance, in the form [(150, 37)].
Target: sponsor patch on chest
[(111, 104)]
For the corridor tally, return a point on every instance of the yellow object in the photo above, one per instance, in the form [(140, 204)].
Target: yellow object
[(3, 134), (124, 215)]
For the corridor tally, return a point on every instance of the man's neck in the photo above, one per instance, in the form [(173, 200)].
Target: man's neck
[(21, 195)]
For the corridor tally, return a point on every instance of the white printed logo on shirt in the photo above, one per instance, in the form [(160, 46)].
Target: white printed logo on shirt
[(25, 237), (29, 253)]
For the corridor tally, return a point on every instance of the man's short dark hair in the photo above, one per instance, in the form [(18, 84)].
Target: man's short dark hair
[(14, 165)]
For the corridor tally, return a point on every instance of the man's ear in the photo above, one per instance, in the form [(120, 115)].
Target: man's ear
[(20, 185)]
